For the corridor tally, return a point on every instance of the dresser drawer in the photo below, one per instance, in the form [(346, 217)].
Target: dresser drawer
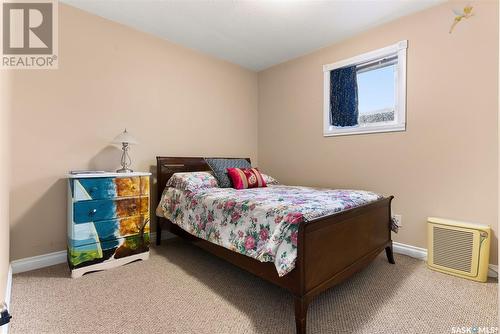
[(123, 227), (84, 189), (91, 211), (88, 253), (106, 230), (107, 250)]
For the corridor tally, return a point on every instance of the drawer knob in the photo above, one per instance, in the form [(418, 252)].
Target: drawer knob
[(92, 212), (93, 189)]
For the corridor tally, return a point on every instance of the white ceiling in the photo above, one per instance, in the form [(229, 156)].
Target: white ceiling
[(255, 34)]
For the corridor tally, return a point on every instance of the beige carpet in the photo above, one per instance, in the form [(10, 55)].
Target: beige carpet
[(182, 289)]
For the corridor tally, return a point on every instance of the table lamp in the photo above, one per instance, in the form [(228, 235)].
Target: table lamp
[(125, 139)]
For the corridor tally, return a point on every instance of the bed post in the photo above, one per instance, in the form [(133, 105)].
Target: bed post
[(158, 231), (301, 301), (388, 250), (301, 305), (160, 183), (390, 254)]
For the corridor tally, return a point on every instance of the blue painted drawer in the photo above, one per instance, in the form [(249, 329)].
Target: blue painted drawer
[(84, 189), (98, 188), (90, 211)]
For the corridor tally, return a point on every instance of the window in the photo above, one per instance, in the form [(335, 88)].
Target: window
[(367, 93)]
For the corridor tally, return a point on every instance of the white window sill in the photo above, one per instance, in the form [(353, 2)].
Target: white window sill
[(332, 131)]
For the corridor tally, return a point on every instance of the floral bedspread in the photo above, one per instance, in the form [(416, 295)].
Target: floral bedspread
[(262, 222)]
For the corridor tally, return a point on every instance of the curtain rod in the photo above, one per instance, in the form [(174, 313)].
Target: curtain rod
[(375, 64)]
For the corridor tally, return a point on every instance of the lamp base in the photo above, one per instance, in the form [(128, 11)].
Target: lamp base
[(124, 170)]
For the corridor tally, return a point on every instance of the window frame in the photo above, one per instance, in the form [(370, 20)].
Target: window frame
[(398, 49)]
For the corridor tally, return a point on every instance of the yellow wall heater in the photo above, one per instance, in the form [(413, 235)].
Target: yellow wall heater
[(458, 248)]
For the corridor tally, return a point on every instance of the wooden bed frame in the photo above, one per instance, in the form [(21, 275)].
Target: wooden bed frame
[(330, 249)]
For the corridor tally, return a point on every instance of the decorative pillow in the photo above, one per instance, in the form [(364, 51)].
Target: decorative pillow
[(269, 179), (220, 166), (192, 181), (244, 178)]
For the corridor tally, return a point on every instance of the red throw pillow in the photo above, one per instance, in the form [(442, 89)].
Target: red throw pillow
[(243, 178)]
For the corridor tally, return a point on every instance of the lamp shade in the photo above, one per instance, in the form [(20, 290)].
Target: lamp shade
[(125, 137)]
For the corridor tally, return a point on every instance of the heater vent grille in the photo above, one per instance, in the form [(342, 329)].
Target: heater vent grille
[(453, 248)]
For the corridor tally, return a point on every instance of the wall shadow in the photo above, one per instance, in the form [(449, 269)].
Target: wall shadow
[(107, 159), (42, 226)]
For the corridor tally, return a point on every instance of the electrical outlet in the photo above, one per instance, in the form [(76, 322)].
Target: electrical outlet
[(398, 219)]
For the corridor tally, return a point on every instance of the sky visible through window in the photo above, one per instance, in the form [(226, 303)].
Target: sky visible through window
[(376, 89)]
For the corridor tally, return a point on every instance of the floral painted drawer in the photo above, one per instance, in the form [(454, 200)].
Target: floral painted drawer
[(108, 220)]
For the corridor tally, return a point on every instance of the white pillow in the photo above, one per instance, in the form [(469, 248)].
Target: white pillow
[(269, 179), (193, 181)]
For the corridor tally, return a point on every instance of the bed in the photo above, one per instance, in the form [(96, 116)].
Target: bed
[(329, 249)]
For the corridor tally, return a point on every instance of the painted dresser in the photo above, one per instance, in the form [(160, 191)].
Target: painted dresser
[(108, 220)]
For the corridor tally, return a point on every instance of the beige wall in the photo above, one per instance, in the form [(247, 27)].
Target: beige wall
[(444, 165), (180, 102), (174, 100), (4, 182)]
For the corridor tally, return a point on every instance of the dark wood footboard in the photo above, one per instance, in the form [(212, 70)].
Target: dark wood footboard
[(330, 249), (333, 248), (337, 243)]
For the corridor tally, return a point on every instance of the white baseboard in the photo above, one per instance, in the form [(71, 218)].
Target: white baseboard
[(493, 270), (37, 262), (8, 292), (412, 251), (46, 260), (50, 259), (421, 254), (8, 288), (165, 235)]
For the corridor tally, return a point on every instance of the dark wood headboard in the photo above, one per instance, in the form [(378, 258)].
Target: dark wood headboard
[(167, 166)]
